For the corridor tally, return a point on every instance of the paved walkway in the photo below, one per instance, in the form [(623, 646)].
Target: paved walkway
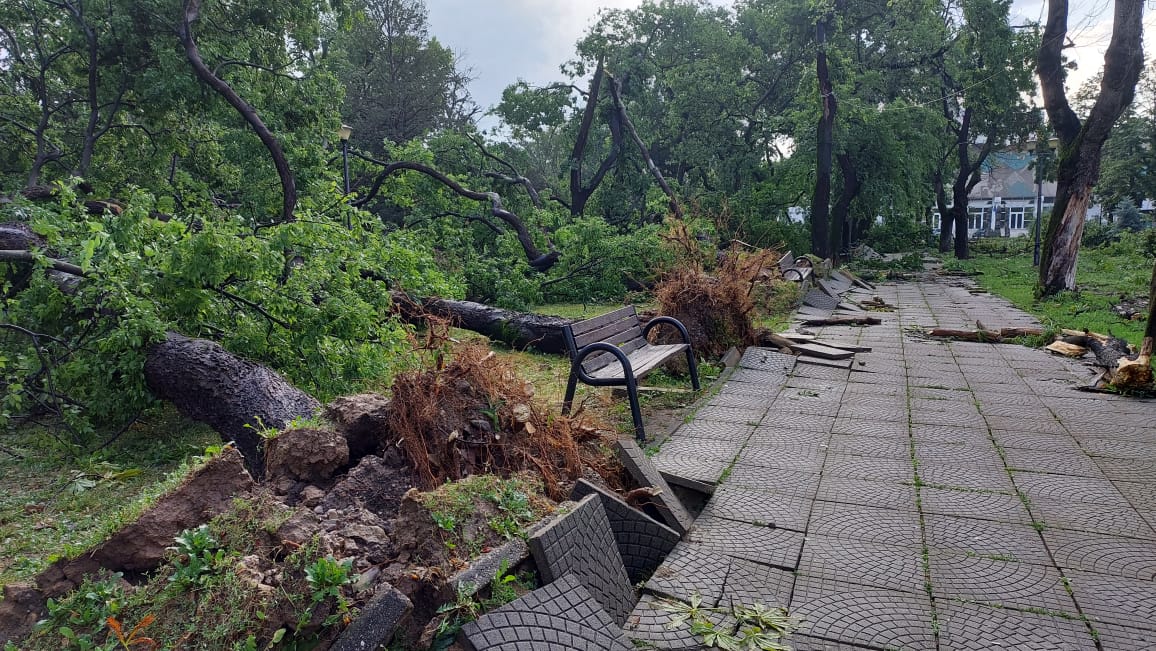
[(951, 496)]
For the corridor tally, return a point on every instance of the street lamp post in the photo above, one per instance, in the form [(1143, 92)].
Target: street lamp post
[(1041, 156)]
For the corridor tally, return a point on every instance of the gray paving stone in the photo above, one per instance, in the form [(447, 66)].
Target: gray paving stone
[(791, 483), (690, 471), (859, 615), (869, 427), (804, 422), (561, 616), (743, 415), (690, 570), (581, 543), (1081, 516), (1118, 449), (853, 561), (970, 627), (998, 540), (709, 449), (739, 400), (775, 435), (758, 507), (886, 526), (965, 476), (1001, 507), (819, 372), (873, 413), (714, 430), (785, 457), (923, 434), (750, 583), (376, 624), (755, 543), (983, 454), (870, 468), (808, 643), (870, 446), (652, 624), (1069, 489), (1062, 443), (1005, 583), (820, 299), (1095, 552), (1023, 425), (1114, 599), (769, 381), (1129, 469), (1075, 463), (954, 420), (483, 569), (642, 541), (1139, 494), (881, 494), (1124, 638), (766, 359), (645, 473)]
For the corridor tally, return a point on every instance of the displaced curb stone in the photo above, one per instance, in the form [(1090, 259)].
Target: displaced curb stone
[(377, 623), (486, 567), (642, 541), (581, 543), (558, 617), (643, 470)]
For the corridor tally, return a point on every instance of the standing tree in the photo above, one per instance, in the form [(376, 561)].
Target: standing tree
[(1081, 142)]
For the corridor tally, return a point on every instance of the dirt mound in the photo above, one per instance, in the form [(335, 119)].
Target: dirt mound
[(363, 419), (477, 416), (306, 454)]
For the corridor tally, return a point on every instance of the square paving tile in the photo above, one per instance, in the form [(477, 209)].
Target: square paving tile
[(805, 422), (758, 507), (1124, 638), (1118, 449), (706, 429), (888, 495), (651, 623), (758, 544), (859, 615), (965, 476), (786, 457), (693, 468), (1088, 490), (1141, 495), (1012, 585), (925, 434), (942, 418), (1009, 542), (854, 522), (776, 435), (1001, 507), (808, 643), (1096, 552), (983, 454), (1097, 518), (1063, 443), (871, 468), (1077, 464), (870, 446), (790, 483), (859, 426), (750, 583), (1129, 469), (741, 415), (1114, 599), (689, 570), (711, 449), (972, 627), (1040, 426), (853, 561)]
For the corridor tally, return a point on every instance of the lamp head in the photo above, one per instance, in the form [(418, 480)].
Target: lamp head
[(344, 132)]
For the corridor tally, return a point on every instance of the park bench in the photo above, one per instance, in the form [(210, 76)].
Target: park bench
[(612, 350), (796, 269)]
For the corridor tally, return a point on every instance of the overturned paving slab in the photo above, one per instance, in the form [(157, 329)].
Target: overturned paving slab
[(580, 543), (642, 541), (561, 616), (646, 474)]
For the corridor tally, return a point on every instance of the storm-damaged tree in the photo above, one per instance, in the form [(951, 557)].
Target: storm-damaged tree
[(1081, 141)]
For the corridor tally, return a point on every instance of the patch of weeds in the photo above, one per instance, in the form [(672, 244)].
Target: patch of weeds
[(198, 553), (760, 627), (467, 605), (477, 511), (326, 578)]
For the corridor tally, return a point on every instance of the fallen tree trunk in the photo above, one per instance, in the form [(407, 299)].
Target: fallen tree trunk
[(237, 397), (843, 320), (984, 335), (519, 330)]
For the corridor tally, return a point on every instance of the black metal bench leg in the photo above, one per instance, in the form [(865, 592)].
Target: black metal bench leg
[(635, 409), (693, 364), (571, 387)]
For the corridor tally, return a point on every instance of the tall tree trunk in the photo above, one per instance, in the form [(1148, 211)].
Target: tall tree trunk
[(839, 224), (1081, 144), (191, 13), (946, 220), (580, 193), (824, 138)]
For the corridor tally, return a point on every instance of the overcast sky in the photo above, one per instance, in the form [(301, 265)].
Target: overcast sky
[(506, 40)]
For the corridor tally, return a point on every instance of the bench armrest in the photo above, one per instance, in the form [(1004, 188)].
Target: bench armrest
[(602, 346), (659, 320)]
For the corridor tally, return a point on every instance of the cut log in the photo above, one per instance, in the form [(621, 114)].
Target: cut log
[(824, 352), (982, 336), (1137, 373), (519, 330), (1108, 351), (1066, 349), (842, 320), (236, 397), (1020, 332)]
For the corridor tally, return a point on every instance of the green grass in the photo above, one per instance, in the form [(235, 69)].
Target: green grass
[(1103, 278), (580, 311), (51, 506)]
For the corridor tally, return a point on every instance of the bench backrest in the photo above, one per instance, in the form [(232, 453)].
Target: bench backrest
[(619, 328), (787, 262)]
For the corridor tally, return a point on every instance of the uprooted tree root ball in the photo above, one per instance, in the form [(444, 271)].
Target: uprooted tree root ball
[(717, 308), (475, 416)]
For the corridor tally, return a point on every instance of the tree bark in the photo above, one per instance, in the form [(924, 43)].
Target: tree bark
[(824, 138), (191, 13), (580, 194), (616, 94), (851, 187), (538, 260), (517, 329), (1081, 144), (236, 397)]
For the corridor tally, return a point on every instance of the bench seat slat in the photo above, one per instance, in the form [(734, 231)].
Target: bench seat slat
[(598, 360), (643, 361), (618, 332), (582, 327)]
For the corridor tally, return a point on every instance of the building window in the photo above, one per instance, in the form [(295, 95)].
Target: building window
[(1016, 216), (936, 220), (976, 218)]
